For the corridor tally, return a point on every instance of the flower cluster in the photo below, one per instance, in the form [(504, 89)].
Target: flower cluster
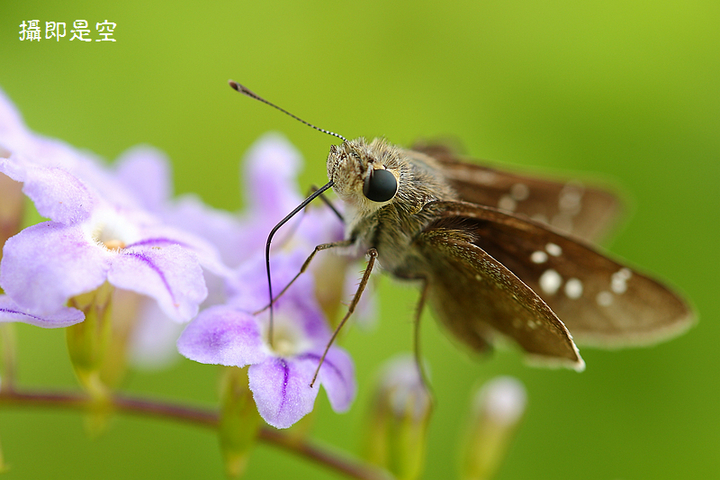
[(169, 261), (136, 275)]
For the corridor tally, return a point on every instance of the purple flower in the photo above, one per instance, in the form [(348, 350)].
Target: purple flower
[(280, 372), (90, 242), (98, 231)]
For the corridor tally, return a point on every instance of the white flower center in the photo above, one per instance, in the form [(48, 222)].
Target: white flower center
[(110, 229)]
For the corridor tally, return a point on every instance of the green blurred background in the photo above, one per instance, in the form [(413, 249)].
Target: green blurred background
[(623, 90)]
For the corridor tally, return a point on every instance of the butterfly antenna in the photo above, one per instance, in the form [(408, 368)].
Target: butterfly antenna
[(247, 92)]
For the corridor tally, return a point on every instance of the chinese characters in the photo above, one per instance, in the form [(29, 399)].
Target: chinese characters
[(31, 30)]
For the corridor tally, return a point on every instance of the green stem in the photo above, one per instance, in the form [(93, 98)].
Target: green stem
[(204, 417)]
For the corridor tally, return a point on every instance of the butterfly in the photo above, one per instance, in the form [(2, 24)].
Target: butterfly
[(496, 253)]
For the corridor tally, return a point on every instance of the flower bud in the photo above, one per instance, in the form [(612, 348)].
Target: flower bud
[(397, 427), (497, 410), (88, 340), (239, 420)]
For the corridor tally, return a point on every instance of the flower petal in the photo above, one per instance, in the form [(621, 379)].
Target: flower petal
[(12, 312), (13, 132), (223, 335), (57, 194), (271, 168), (221, 228), (337, 376), (146, 172), (153, 337), (46, 264), (205, 252), (281, 389), (169, 274)]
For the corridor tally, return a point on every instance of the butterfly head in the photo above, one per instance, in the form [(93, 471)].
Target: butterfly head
[(366, 176)]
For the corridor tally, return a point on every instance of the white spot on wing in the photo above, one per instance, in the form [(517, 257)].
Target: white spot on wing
[(483, 177), (569, 200), (618, 281), (573, 288), (538, 257), (553, 249), (550, 281), (604, 298), (506, 202), (618, 286), (519, 192)]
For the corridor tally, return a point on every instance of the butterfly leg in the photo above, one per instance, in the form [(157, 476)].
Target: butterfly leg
[(416, 339), (372, 253), (322, 246)]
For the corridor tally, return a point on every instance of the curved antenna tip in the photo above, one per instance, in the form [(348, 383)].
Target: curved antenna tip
[(241, 88), (246, 91)]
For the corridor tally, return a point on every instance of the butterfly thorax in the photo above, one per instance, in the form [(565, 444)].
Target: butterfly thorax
[(389, 226)]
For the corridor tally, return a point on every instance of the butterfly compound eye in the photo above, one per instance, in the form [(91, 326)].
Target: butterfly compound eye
[(380, 185)]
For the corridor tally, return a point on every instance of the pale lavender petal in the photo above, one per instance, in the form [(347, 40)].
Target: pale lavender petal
[(48, 263), (224, 336), (64, 317), (51, 152), (281, 389), (337, 376), (13, 132), (145, 171), (248, 287), (206, 253), (271, 190), (48, 152), (320, 225), (169, 274), (221, 228), (95, 172), (271, 168), (153, 338), (57, 194)]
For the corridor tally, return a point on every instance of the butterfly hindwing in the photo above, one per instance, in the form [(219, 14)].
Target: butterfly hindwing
[(582, 211), (463, 278), (601, 301)]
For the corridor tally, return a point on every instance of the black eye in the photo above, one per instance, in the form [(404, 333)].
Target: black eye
[(380, 185)]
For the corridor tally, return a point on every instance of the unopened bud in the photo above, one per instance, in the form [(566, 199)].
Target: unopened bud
[(498, 407), (239, 420), (87, 345), (88, 340), (397, 428)]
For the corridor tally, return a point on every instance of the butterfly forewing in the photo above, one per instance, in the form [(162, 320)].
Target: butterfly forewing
[(583, 211), (475, 296), (601, 301)]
